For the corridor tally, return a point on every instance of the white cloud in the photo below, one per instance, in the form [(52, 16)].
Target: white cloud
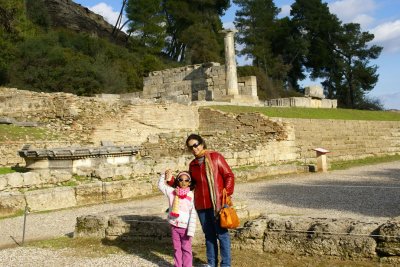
[(228, 25), (364, 20), (388, 36), (106, 11), (108, 14), (390, 101), (347, 10)]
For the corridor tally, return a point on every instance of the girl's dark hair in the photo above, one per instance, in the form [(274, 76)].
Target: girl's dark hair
[(192, 183), (196, 137)]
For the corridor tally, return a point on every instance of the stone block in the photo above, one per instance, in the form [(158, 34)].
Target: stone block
[(91, 226), (11, 203), (317, 237), (89, 193), (15, 180), (3, 182), (132, 188), (31, 179), (136, 227), (59, 176), (112, 191), (104, 172), (142, 167), (125, 171), (389, 238), (314, 91), (51, 199)]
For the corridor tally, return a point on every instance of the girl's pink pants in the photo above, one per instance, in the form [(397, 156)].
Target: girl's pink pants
[(182, 247)]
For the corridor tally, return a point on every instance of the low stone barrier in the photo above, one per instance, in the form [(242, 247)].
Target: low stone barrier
[(343, 238), (12, 203), (140, 227), (51, 190)]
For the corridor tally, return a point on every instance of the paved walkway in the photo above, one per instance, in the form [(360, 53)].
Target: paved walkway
[(369, 193)]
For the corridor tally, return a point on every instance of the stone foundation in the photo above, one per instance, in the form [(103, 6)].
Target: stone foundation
[(342, 238)]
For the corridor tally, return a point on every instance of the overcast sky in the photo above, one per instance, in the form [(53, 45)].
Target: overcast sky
[(380, 17)]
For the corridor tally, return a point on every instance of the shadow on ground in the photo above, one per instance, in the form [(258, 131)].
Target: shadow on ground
[(376, 193), (148, 237)]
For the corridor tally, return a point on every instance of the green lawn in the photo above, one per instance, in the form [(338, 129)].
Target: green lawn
[(18, 133), (315, 113)]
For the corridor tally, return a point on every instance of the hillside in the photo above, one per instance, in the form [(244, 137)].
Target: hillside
[(69, 15)]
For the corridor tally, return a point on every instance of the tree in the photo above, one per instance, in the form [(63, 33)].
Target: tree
[(267, 41), (37, 13), (335, 52), (193, 30), (11, 20), (256, 23), (147, 25), (317, 27), (353, 54)]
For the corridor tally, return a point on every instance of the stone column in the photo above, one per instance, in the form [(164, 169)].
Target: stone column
[(230, 63)]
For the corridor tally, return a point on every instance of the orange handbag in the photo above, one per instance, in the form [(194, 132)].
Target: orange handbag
[(227, 215)]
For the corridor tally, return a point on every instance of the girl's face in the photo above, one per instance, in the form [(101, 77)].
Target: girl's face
[(183, 181), (195, 147)]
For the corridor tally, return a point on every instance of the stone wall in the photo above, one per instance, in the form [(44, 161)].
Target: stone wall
[(13, 202), (195, 82), (341, 238), (248, 138), (346, 139), (161, 129), (70, 117)]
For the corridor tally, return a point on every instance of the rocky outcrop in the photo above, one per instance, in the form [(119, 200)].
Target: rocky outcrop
[(69, 15)]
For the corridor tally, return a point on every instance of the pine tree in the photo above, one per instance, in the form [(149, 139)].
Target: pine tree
[(193, 30), (147, 25)]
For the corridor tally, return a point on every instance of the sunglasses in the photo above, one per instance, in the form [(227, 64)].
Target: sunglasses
[(181, 180), (193, 146)]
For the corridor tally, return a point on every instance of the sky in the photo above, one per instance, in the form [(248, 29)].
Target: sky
[(380, 17)]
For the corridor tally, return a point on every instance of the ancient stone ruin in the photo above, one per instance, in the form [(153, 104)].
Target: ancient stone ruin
[(313, 98), (71, 159), (341, 238)]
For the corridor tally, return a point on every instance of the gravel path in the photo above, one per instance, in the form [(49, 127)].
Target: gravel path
[(368, 193)]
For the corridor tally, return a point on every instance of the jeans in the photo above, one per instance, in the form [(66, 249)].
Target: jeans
[(214, 233), (182, 247)]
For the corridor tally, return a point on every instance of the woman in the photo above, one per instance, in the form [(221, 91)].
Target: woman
[(212, 174)]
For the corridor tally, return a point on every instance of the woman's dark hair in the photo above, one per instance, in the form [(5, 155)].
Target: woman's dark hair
[(196, 137)]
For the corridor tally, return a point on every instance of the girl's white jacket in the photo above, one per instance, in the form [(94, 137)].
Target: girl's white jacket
[(187, 212)]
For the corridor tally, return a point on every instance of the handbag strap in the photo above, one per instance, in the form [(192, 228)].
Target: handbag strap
[(223, 197), (226, 199)]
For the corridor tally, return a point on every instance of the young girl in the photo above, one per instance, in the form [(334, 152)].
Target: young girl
[(181, 215)]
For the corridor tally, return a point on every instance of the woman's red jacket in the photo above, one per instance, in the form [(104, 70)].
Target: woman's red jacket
[(223, 178)]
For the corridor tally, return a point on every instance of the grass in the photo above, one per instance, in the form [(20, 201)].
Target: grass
[(342, 165), (18, 133), (315, 113), (5, 170), (161, 251), (245, 168)]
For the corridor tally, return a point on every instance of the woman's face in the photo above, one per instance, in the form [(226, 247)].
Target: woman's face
[(195, 147)]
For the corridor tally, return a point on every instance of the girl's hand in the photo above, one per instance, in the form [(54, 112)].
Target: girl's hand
[(168, 175)]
